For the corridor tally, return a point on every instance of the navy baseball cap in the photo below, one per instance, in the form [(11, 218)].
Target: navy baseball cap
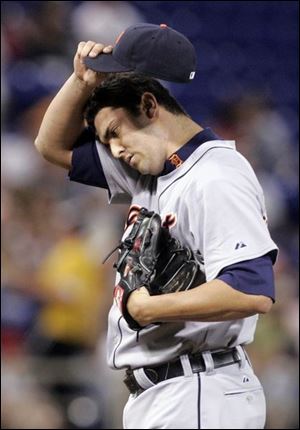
[(154, 50)]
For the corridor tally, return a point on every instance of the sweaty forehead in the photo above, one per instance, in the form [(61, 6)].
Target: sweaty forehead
[(106, 115)]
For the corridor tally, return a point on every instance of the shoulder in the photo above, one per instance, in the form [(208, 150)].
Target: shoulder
[(221, 166)]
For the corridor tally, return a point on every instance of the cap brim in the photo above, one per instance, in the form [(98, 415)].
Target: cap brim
[(105, 63)]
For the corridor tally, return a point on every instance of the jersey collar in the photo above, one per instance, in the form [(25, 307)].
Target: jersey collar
[(178, 157)]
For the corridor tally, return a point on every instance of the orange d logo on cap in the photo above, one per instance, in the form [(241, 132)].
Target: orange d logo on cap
[(119, 37)]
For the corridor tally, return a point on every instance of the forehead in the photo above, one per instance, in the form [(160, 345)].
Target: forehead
[(107, 114)]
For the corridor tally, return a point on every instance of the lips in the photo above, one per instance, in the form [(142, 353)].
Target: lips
[(128, 158), (132, 162)]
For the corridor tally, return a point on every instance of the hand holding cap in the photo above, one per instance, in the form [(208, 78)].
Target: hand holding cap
[(155, 50)]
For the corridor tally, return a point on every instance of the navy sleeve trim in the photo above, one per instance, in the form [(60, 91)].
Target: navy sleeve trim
[(86, 165), (251, 276), (88, 135)]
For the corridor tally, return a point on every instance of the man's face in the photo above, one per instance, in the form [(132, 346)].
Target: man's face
[(139, 142)]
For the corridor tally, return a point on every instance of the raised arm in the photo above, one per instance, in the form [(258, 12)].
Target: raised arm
[(63, 121)]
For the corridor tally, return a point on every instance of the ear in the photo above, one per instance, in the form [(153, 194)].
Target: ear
[(149, 105)]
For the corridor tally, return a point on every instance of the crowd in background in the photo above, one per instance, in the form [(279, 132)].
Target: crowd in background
[(55, 291)]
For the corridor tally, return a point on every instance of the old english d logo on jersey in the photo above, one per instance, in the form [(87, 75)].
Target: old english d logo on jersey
[(118, 296), (132, 215), (169, 220)]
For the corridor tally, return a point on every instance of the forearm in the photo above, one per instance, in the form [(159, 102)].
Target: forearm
[(63, 122), (213, 301)]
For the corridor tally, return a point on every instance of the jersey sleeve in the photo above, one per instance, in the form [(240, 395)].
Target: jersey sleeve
[(234, 224), (121, 179), (93, 164), (86, 166), (251, 276)]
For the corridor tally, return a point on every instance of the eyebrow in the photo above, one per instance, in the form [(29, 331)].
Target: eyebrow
[(107, 133)]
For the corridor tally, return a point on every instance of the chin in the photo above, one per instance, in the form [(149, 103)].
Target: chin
[(143, 170), (149, 170)]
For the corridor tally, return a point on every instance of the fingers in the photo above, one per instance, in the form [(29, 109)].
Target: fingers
[(92, 49), (108, 49), (81, 70)]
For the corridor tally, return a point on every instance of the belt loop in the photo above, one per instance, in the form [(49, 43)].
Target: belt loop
[(142, 379), (186, 365), (241, 356), (209, 362)]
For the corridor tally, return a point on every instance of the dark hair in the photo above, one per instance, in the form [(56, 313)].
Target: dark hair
[(125, 90)]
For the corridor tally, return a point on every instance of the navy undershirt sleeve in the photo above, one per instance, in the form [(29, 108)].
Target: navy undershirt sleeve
[(251, 276), (86, 164)]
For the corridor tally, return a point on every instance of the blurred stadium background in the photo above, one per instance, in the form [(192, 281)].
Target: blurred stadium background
[(55, 292)]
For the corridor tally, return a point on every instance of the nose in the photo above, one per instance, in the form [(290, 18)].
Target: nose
[(116, 148)]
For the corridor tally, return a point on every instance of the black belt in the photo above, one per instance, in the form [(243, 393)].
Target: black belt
[(173, 369)]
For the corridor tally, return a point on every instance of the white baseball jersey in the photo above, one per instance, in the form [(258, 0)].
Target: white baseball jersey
[(213, 204)]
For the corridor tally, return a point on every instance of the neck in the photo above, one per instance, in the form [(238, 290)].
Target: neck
[(182, 129)]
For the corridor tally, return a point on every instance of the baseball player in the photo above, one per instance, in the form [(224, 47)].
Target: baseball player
[(186, 366)]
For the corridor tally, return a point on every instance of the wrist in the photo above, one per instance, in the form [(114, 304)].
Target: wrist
[(82, 86), (139, 306)]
